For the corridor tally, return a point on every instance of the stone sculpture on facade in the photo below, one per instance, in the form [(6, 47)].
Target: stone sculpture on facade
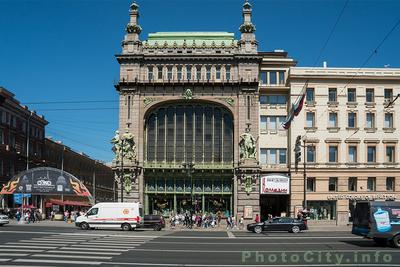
[(124, 147), (247, 145)]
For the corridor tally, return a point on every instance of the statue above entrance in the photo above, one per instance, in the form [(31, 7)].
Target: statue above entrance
[(247, 145)]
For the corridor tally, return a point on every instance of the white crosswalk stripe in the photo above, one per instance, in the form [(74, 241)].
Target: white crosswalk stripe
[(69, 249)]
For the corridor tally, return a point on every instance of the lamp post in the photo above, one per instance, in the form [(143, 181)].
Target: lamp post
[(122, 171), (189, 168)]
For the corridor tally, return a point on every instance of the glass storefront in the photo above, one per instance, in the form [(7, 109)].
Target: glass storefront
[(322, 210), (166, 195)]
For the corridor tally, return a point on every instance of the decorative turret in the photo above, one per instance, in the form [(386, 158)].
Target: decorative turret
[(132, 41), (248, 43)]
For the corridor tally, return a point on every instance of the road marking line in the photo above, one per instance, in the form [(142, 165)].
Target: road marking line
[(70, 256), (47, 241), (230, 234), (3, 260), (57, 234), (84, 252), (21, 250), (254, 244), (32, 244), (58, 261), (99, 246), (96, 249), (110, 244), (11, 246), (13, 254), (260, 251)]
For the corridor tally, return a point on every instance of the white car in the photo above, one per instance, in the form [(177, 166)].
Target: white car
[(4, 220)]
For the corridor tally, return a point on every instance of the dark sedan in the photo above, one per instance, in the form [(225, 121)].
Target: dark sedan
[(278, 224)]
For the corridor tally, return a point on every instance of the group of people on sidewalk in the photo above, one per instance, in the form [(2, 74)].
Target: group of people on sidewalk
[(204, 220), (29, 215)]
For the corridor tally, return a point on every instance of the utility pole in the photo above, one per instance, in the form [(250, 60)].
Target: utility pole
[(304, 174), (94, 182), (122, 171)]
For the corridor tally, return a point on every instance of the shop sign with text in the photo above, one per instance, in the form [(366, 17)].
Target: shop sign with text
[(275, 184)]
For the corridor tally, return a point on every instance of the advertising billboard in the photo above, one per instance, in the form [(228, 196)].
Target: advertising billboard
[(45, 181), (275, 184)]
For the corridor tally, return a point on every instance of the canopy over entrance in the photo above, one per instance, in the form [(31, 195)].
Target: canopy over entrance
[(46, 181)]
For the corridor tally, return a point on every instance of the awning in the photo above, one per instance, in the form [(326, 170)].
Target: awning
[(51, 202)]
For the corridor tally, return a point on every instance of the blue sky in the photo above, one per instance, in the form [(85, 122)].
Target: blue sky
[(60, 51)]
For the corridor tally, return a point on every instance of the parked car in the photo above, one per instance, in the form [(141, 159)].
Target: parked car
[(4, 219), (379, 221), (278, 224), (156, 222)]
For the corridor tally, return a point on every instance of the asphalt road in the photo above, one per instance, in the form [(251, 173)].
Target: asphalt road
[(35, 245)]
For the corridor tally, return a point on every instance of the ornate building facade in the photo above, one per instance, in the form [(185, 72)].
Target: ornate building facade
[(205, 111)]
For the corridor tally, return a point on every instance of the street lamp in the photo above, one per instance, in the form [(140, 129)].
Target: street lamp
[(121, 179), (189, 168)]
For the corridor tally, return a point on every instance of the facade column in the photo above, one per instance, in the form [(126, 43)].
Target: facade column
[(175, 204), (203, 202), (146, 203)]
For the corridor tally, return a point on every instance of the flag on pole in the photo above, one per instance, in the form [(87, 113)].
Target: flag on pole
[(295, 109)]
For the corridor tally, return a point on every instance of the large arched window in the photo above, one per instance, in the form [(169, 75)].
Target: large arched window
[(189, 133)]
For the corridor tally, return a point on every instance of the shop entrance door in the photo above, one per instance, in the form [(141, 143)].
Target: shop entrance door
[(275, 205)]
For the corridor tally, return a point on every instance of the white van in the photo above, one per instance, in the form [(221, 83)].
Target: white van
[(126, 216)]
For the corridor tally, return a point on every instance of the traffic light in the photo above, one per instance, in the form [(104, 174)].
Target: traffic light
[(297, 152)]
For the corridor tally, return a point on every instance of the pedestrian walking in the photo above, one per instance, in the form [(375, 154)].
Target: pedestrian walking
[(257, 218)]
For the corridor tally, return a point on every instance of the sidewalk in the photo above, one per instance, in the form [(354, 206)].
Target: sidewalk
[(221, 228)]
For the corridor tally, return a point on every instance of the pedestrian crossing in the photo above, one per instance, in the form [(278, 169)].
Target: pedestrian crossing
[(68, 249)]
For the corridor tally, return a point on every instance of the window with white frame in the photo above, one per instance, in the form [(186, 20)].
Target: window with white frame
[(179, 72), (370, 120), (388, 120), (150, 73), (369, 95), (390, 152), (218, 72), (371, 184), (276, 156), (188, 72), (332, 95), (228, 72), (310, 184), (333, 119), (352, 184), (198, 73), (390, 183), (310, 97), (371, 154), (263, 156), (169, 73), (208, 73), (333, 153), (353, 154), (310, 119), (388, 94), (310, 153), (263, 123), (351, 95), (352, 120)]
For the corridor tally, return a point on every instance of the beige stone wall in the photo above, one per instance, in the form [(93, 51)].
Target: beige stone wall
[(321, 136)]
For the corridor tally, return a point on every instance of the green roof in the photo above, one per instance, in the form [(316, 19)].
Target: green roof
[(197, 39)]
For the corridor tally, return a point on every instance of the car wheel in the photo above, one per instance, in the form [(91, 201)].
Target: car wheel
[(257, 229), (84, 226), (295, 229), (396, 241), (126, 227), (157, 227)]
